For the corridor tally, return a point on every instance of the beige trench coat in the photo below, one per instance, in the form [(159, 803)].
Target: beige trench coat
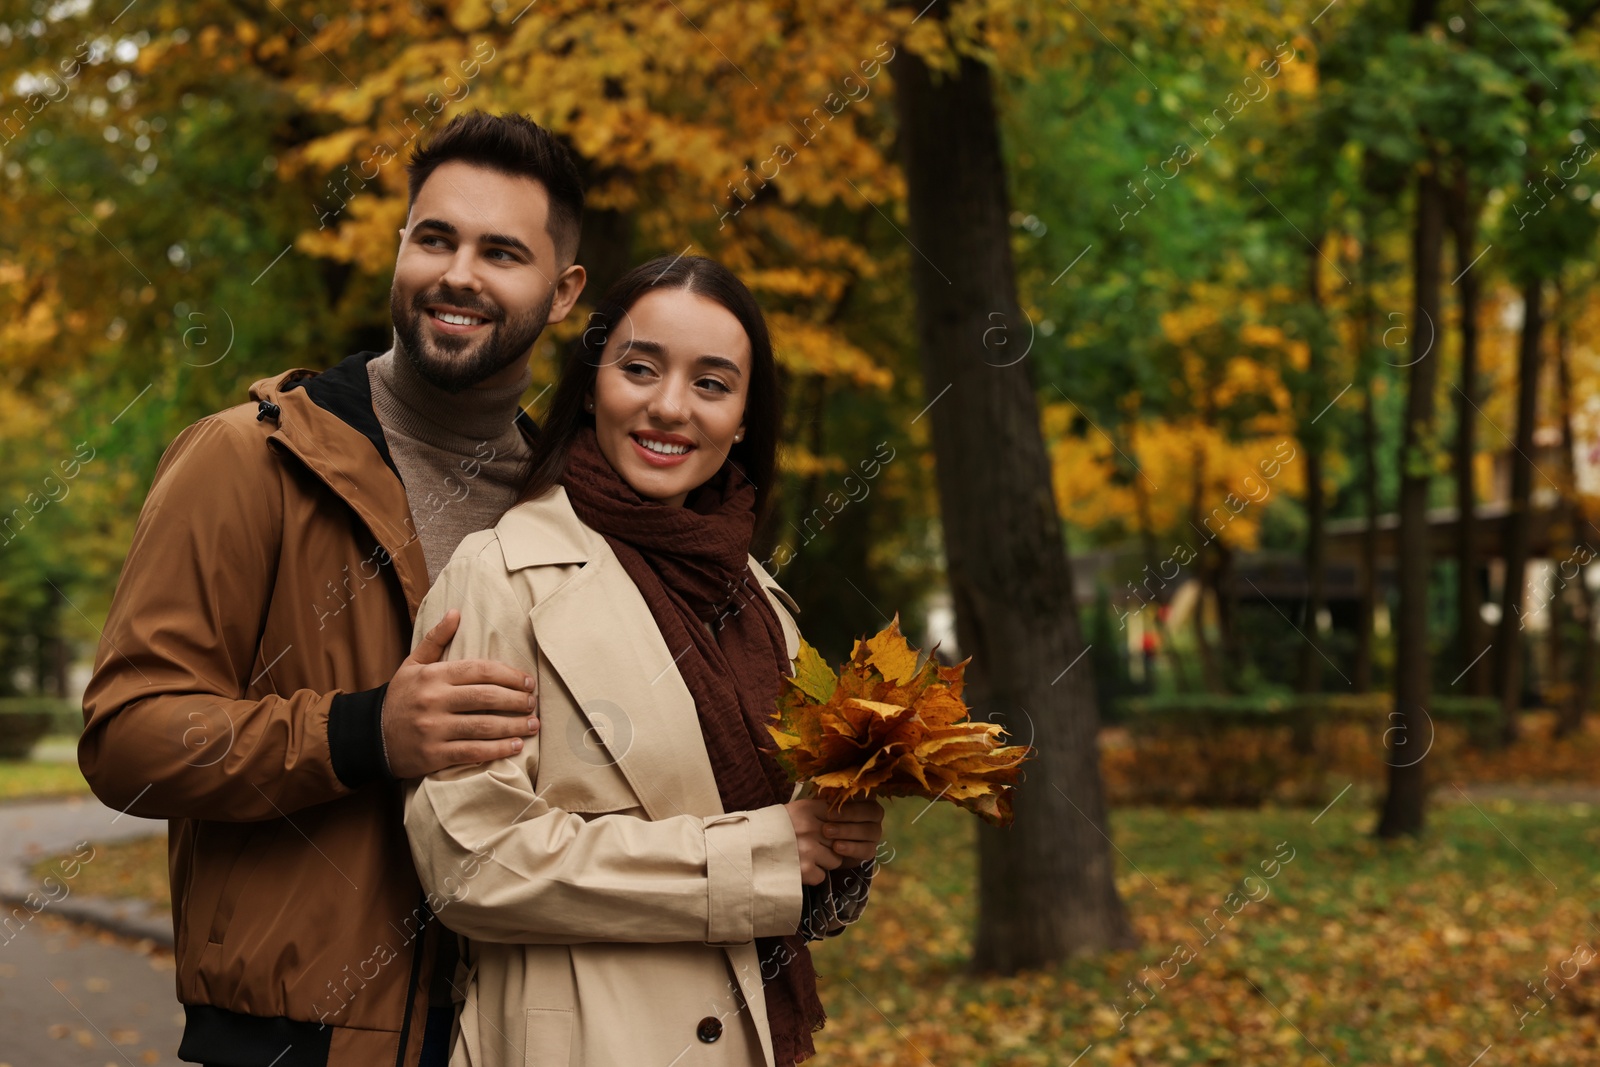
[(608, 903)]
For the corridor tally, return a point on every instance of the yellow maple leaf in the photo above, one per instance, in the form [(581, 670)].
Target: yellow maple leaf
[(812, 675), (890, 653)]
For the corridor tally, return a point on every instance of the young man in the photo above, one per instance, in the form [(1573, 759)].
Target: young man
[(253, 684)]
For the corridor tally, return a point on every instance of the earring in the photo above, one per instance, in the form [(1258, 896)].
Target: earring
[(738, 437), (589, 406)]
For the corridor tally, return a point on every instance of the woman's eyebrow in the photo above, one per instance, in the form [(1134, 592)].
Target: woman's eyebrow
[(721, 363), (656, 348)]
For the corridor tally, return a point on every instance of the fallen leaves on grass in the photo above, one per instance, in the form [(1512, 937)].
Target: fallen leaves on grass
[(123, 870), (1366, 951)]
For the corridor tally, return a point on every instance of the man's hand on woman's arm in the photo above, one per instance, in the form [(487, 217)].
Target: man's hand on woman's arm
[(441, 714)]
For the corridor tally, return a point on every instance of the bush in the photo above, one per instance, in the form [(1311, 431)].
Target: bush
[(24, 720), (1227, 750)]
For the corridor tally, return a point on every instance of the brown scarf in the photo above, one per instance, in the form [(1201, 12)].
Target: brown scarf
[(691, 565)]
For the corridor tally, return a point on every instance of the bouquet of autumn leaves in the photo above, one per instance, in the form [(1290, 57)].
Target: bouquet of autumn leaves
[(880, 727)]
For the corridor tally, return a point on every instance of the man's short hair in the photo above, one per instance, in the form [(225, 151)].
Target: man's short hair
[(515, 145)]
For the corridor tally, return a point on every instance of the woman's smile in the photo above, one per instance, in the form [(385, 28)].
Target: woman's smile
[(662, 449)]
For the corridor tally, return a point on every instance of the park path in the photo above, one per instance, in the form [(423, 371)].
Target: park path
[(72, 995)]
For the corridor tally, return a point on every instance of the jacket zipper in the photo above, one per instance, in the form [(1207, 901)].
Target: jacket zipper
[(411, 987)]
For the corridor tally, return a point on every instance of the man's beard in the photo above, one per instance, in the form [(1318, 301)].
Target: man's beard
[(452, 362)]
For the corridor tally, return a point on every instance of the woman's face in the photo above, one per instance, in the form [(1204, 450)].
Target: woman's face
[(669, 395)]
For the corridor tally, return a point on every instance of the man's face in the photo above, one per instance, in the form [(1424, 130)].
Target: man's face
[(477, 277)]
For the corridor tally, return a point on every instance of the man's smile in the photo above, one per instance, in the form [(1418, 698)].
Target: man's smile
[(454, 320)]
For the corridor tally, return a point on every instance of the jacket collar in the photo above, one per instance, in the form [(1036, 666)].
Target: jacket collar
[(326, 420), (345, 390), (545, 531)]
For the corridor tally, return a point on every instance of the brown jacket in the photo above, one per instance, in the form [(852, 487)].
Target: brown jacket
[(609, 902), (266, 601)]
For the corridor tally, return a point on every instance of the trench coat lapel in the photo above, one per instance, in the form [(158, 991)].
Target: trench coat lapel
[(599, 636)]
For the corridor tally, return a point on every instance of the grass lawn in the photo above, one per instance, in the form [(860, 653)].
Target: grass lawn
[(1354, 952), (1417, 952), (128, 870), (1366, 953), (39, 778)]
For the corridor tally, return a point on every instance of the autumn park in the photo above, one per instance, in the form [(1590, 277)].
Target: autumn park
[(1207, 391)]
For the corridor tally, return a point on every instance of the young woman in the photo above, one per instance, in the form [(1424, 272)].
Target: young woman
[(631, 885)]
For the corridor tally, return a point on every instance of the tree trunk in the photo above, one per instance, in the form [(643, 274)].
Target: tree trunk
[(1227, 594), (1046, 888), (605, 244), (1311, 439), (1205, 566), (48, 657), (1543, 676), (1519, 522), (1366, 362), (1469, 596), (605, 250), (1309, 676), (1569, 721), (1558, 592), (1365, 638), (1405, 803)]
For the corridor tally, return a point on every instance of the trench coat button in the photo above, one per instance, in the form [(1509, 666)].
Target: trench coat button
[(709, 1030)]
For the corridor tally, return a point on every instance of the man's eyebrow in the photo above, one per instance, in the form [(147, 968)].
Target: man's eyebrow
[(486, 238), (507, 240)]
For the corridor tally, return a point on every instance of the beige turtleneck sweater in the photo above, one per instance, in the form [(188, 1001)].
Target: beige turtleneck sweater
[(461, 456)]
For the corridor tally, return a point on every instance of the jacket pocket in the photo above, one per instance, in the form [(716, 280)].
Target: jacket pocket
[(243, 864), (548, 1038)]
